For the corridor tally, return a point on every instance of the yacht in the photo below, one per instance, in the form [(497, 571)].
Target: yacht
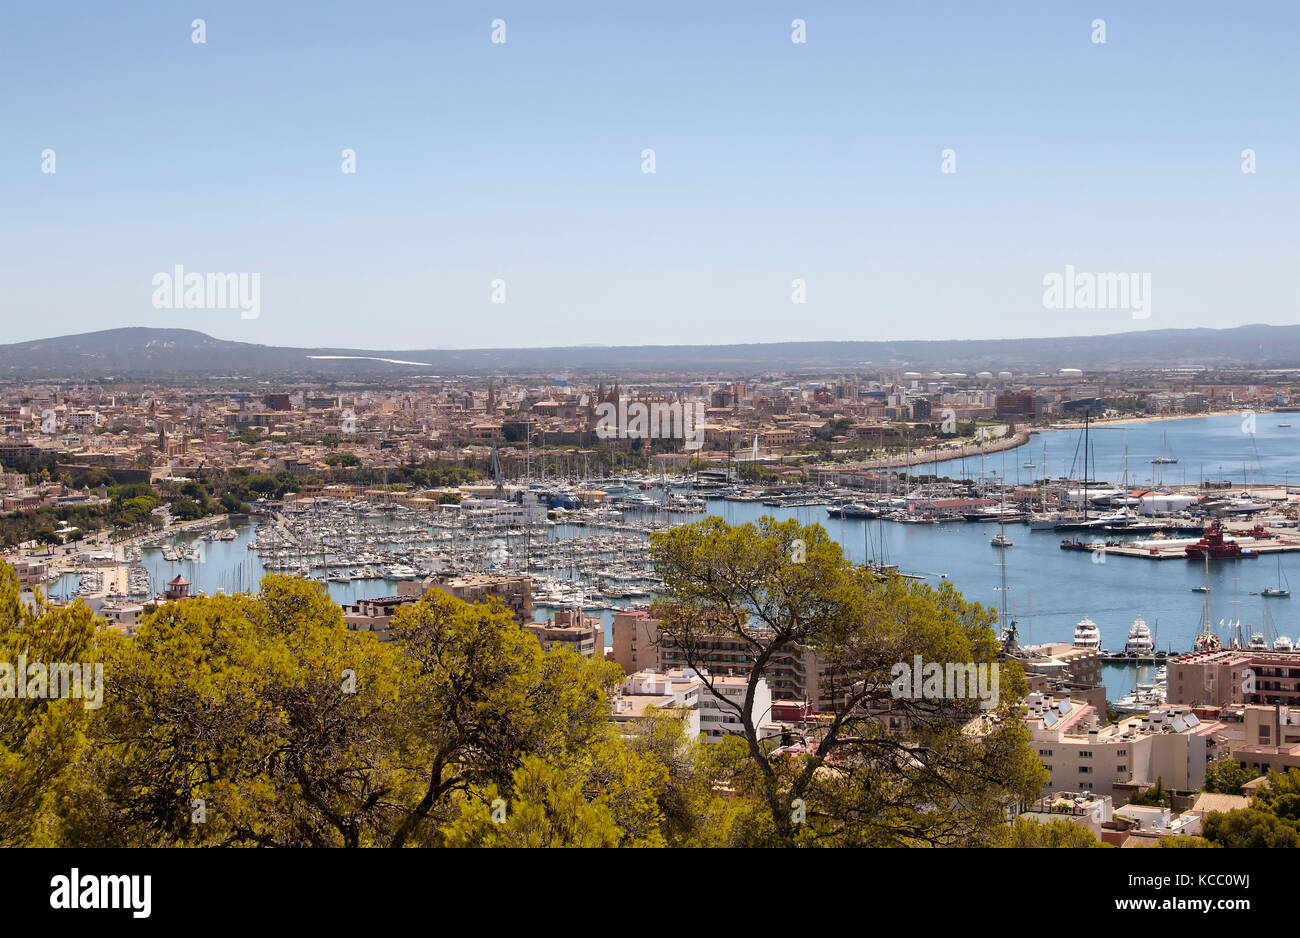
[(559, 597), (1087, 635), (1139, 639), (1047, 521), (1257, 642), (852, 510), (1000, 540), (1143, 699), (1282, 643), (1280, 591)]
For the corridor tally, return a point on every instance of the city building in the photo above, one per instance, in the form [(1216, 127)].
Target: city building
[(515, 591), (569, 628), (1171, 745), (708, 703), (793, 674), (1234, 676)]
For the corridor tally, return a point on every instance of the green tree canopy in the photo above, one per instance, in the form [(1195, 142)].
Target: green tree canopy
[(879, 769)]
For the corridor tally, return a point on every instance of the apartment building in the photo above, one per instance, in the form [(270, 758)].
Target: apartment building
[(31, 573), (515, 591), (374, 615), (677, 693), (1270, 738), (569, 628), (1235, 676), (686, 692), (793, 674), (1086, 809), (1171, 744), (1064, 661), (1060, 669)]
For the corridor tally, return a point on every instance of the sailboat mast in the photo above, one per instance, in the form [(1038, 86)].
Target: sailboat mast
[(1086, 415)]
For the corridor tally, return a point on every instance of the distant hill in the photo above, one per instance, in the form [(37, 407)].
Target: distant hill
[(143, 352)]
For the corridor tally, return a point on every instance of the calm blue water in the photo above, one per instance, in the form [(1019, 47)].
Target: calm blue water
[(1049, 590), (1206, 448), (230, 567)]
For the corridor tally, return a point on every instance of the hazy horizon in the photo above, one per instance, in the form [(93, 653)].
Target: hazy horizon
[(473, 348)]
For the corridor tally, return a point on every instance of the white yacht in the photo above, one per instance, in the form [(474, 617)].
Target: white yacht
[(1087, 635), (1139, 639), (1282, 643), (1143, 699)]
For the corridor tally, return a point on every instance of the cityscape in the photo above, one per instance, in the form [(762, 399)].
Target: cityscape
[(651, 428), (553, 499)]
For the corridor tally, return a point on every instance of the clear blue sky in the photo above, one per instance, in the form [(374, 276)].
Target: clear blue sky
[(522, 161)]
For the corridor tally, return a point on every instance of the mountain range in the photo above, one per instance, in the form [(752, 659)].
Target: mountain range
[(144, 352)]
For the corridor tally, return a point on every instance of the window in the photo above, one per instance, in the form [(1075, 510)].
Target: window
[(1085, 770), (1121, 752), (1044, 752), (1085, 753), (1264, 734)]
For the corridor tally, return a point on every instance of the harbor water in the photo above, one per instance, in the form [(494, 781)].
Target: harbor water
[(1048, 589)]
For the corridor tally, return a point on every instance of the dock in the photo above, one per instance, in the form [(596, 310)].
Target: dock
[(1249, 550)]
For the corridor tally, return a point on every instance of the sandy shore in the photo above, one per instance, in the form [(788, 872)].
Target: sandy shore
[(1155, 418)]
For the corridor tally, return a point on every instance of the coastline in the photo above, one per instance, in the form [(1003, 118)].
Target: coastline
[(1015, 441), (1022, 436), (1156, 418)]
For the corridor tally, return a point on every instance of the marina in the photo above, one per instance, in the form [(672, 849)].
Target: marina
[(596, 555)]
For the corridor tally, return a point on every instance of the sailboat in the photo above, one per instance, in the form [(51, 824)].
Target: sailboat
[(1162, 459), (1206, 640), (1279, 591), (1000, 539), (1009, 629)]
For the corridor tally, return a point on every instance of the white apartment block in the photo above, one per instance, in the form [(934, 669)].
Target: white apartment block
[(1171, 744), (687, 692)]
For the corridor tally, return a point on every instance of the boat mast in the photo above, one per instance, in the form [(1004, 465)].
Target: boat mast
[(1086, 414), (1003, 589)]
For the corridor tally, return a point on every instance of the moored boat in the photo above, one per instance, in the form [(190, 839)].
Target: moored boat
[(1087, 635), (1139, 639)]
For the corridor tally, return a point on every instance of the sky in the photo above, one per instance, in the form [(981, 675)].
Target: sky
[(488, 171)]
